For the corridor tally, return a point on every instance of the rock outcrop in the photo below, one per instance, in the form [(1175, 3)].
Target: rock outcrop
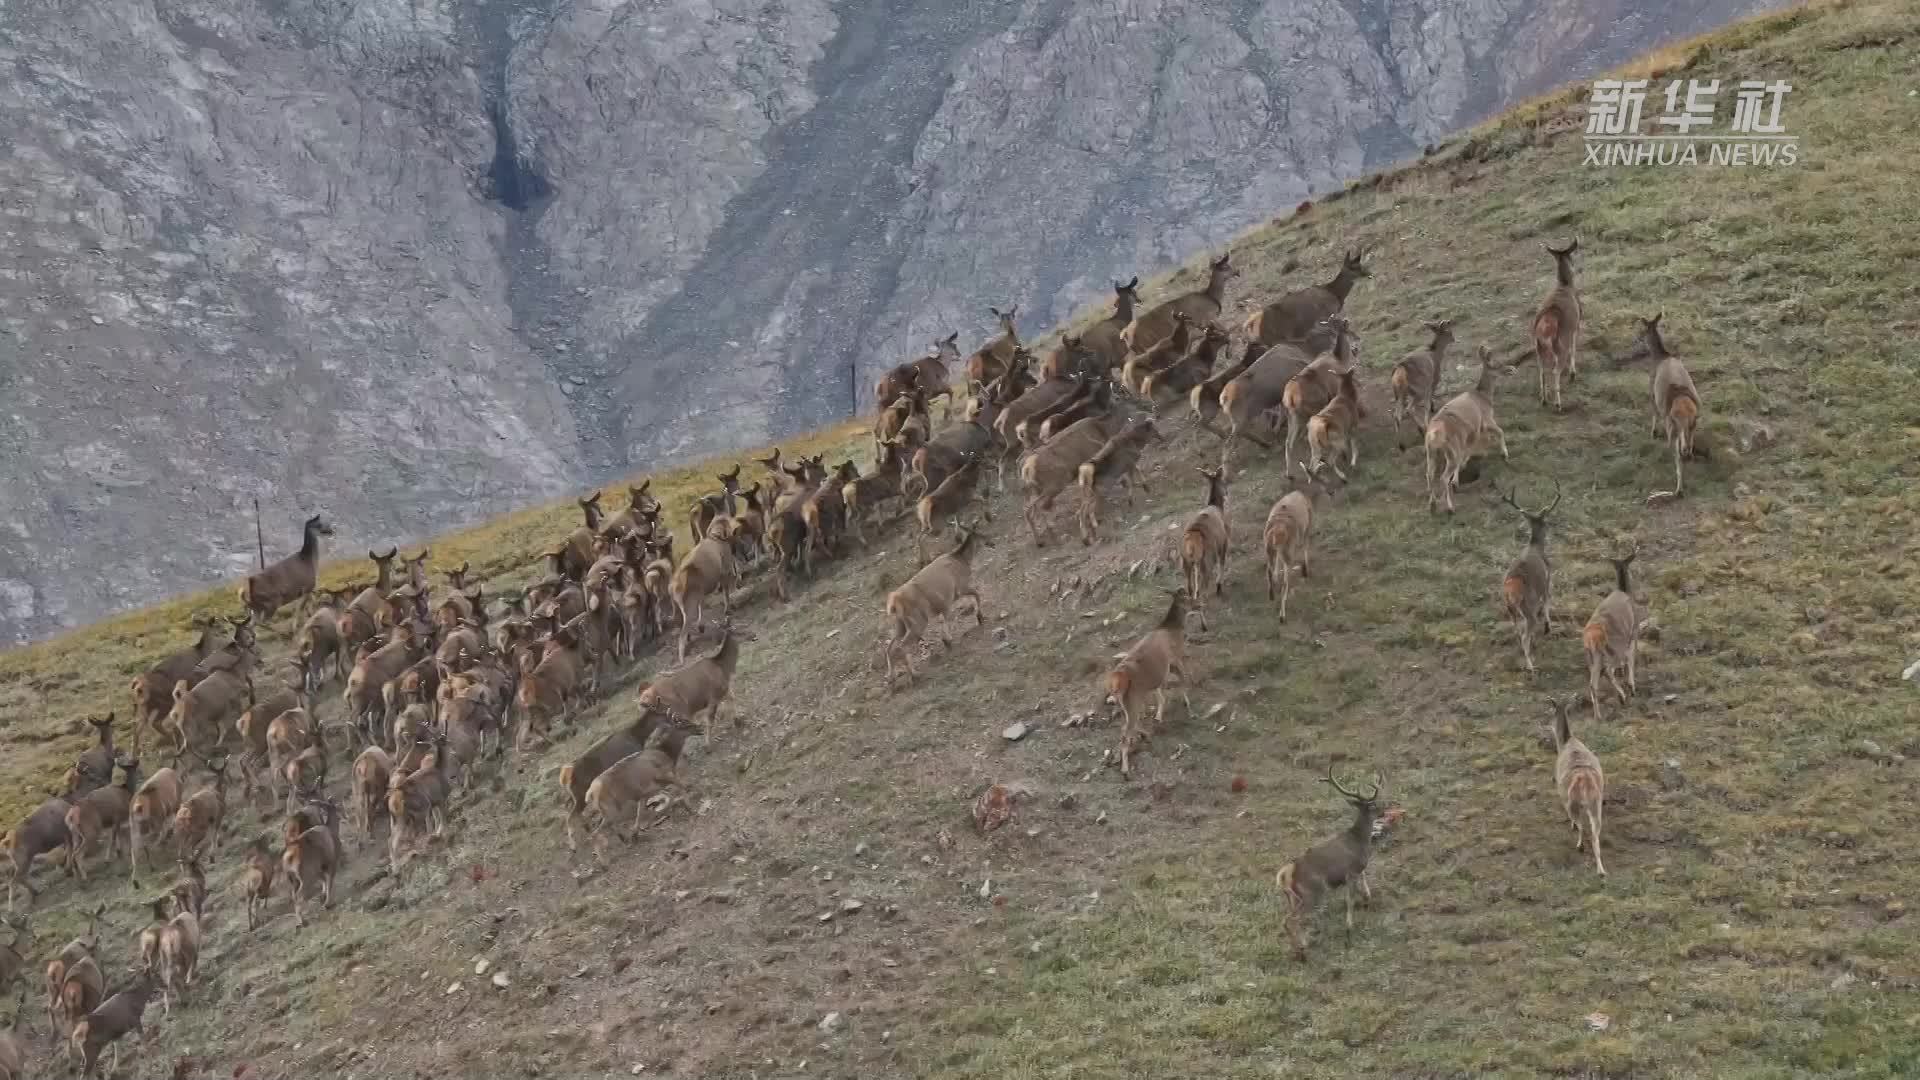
[(412, 262)]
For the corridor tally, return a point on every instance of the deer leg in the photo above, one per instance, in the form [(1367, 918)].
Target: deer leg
[(1366, 890), (1613, 676), (1593, 822), (1525, 627), (1502, 436), (1633, 649), (1349, 894)]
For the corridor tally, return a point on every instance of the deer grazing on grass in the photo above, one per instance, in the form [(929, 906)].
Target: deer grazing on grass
[(1462, 427), (1676, 403), (1611, 637), (1416, 379), (289, 580), (1583, 787), (1156, 323), (1145, 669), (931, 593), (1204, 546), (1526, 593), (1335, 862), (1556, 326), (1293, 317)]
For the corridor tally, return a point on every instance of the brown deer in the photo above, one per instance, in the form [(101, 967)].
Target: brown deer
[(990, 361), (1144, 670), (1416, 379), (1583, 787), (1526, 593), (1104, 337), (1676, 403), (289, 580), (153, 689), (1288, 538), (1556, 326), (1292, 317), (1154, 325), (1611, 637), (1204, 546), (1335, 428), (1332, 863), (1461, 428)]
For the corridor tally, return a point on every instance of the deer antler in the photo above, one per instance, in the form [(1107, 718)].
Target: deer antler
[(1349, 793)]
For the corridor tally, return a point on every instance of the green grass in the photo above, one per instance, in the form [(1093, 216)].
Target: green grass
[(1757, 832)]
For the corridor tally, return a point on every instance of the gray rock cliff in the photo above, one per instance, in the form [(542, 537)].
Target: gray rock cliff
[(415, 262)]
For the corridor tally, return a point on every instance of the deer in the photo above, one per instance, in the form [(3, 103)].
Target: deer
[(1205, 398), (932, 592), (1316, 385), (1288, 537), (701, 687), (1334, 428), (641, 512), (1159, 356), (1104, 337), (928, 374), (1188, 372), (1073, 356), (197, 824), (945, 502), (100, 813), (710, 567), (1055, 466), (990, 361), (256, 882), (1293, 317), (154, 805), (1611, 637), (1556, 326), (361, 618), (1416, 379), (638, 779), (1526, 593), (579, 774), (1462, 427), (1582, 785), (42, 832), (74, 982), (1156, 323), (115, 1018), (1676, 402), (288, 580), (717, 504), (1204, 546), (93, 770), (319, 642), (1145, 669), (179, 956), (153, 688), (1116, 462), (311, 858), (1332, 863)]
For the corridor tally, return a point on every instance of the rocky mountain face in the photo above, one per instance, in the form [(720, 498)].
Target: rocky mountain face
[(411, 262)]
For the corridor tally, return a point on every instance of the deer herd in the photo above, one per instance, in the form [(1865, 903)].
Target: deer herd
[(436, 684)]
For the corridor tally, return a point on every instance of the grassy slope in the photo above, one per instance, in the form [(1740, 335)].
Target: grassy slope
[(1757, 827)]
